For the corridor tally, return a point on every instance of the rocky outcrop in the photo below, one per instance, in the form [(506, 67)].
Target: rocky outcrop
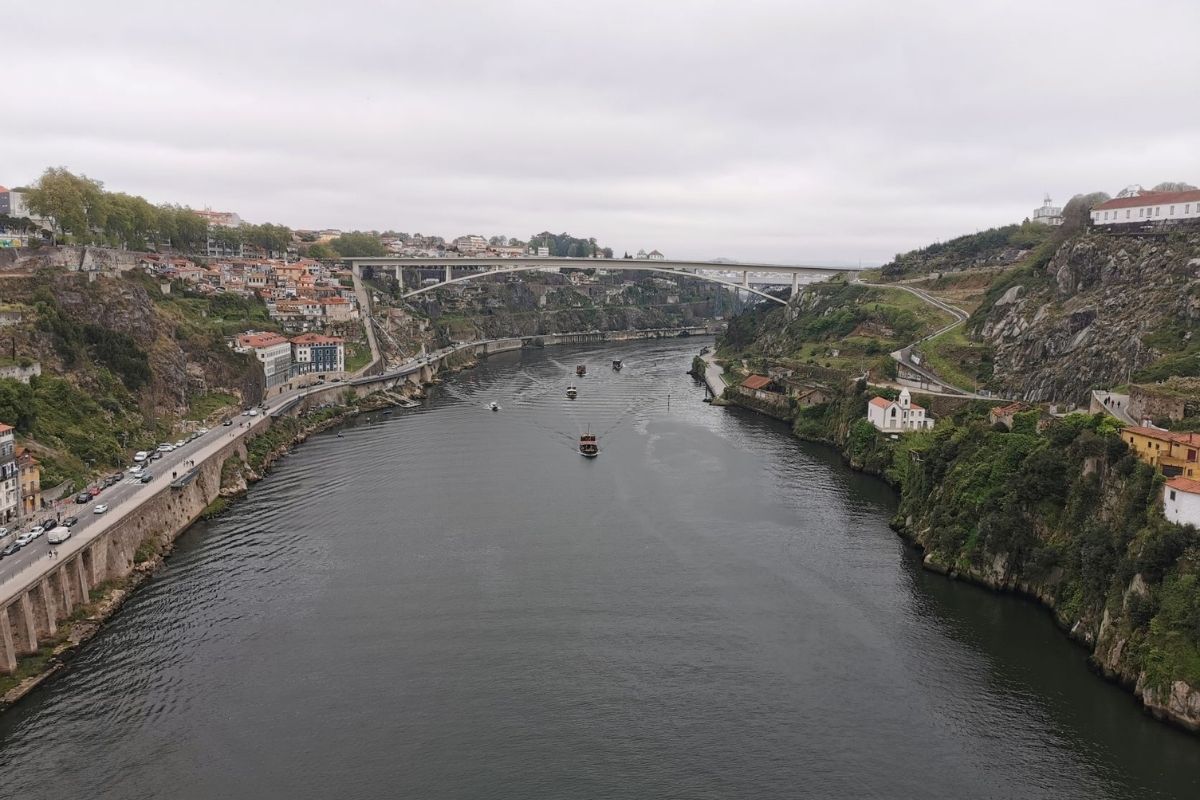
[(1080, 321)]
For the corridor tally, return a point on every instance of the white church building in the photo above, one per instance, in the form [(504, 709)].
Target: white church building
[(897, 415)]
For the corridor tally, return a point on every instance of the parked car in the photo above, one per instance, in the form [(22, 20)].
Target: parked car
[(49, 525), (3, 531), (93, 490), (201, 431), (59, 536), (83, 497), (180, 443), (100, 509), (110, 480), (70, 521), (24, 539), (156, 455), (116, 477), (146, 478), (8, 551), (140, 455), (36, 531)]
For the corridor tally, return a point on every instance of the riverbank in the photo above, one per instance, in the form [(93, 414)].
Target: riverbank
[(1065, 517)]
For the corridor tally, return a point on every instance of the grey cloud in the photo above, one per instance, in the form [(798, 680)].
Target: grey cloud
[(786, 131)]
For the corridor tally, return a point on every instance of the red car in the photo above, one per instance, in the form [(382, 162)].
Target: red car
[(93, 490)]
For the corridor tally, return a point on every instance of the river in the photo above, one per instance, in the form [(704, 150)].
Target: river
[(451, 603)]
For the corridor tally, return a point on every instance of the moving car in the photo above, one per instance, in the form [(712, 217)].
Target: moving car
[(59, 536), (3, 531), (100, 509), (253, 412), (70, 521), (146, 478), (227, 423), (49, 525)]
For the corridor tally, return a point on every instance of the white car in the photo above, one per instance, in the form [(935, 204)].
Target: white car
[(136, 468), (36, 531), (23, 539), (181, 443), (140, 455), (202, 431), (3, 531), (100, 509), (58, 535), (254, 412), (166, 447)]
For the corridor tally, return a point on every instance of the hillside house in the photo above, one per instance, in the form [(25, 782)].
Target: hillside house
[(1048, 214), (1181, 501), (1174, 454), (897, 415), (1137, 206)]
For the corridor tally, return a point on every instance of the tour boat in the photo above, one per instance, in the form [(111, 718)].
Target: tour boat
[(495, 406), (572, 391), (581, 370), (617, 364), (587, 445)]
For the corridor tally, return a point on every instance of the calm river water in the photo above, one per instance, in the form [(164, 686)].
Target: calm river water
[(451, 603)]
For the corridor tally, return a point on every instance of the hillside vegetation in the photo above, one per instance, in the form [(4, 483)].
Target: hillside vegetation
[(122, 365)]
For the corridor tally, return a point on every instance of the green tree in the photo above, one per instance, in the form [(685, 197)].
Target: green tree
[(76, 203), (358, 243)]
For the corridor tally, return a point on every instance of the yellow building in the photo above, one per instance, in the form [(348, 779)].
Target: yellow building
[(1175, 454), (30, 481)]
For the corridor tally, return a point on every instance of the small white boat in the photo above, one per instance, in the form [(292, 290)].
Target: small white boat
[(495, 406)]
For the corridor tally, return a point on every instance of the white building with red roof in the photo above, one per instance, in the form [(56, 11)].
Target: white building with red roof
[(897, 416), (1181, 501), (273, 351), (1140, 206)]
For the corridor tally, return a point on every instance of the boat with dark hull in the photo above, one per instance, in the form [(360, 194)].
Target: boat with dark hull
[(588, 448)]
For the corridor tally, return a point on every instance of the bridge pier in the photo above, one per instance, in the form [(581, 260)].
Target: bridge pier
[(746, 278), (449, 273), (795, 282), (8, 650)]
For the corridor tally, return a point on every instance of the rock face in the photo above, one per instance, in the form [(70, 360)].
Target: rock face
[(1079, 322)]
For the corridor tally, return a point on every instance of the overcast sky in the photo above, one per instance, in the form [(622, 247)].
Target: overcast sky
[(785, 131)]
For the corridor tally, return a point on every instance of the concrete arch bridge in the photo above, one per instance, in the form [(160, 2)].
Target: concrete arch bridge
[(496, 266)]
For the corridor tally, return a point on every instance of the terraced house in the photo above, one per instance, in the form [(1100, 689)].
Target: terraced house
[(1174, 454), (312, 352), (10, 492)]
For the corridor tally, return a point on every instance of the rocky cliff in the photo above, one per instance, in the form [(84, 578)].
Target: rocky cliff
[(1102, 310)]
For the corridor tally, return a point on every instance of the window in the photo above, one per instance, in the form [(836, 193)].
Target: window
[(1172, 494), (1158, 211), (1171, 210), (893, 411)]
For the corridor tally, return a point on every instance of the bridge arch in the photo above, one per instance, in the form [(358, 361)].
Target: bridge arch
[(618, 265)]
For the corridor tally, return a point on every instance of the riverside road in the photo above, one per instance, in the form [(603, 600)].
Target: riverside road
[(449, 602)]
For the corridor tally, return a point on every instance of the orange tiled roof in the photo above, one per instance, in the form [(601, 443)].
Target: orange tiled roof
[(1185, 485)]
